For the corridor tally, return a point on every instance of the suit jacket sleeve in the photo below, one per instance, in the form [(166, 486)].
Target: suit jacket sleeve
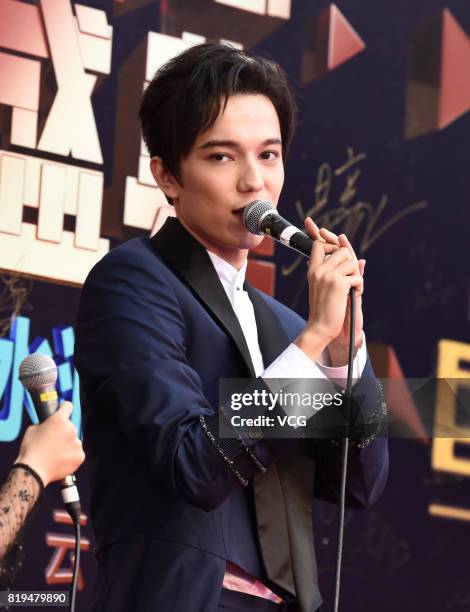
[(368, 462), (130, 354)]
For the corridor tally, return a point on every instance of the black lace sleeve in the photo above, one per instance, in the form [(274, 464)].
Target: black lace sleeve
[(18, 496)]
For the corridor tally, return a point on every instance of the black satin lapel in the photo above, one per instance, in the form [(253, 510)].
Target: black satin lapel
[(189, 259), (271, 336)]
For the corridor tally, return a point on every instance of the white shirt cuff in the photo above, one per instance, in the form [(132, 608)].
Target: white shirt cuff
[(340, 373), (294, 363)]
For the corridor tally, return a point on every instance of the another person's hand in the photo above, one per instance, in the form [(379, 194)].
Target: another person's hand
[(52, 448), (330, 279)]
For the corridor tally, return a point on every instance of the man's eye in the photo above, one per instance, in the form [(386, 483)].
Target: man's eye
[(269, 155), (220, 157)]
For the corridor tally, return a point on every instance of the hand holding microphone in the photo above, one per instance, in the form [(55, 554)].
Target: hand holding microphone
[(51, 448), (338, 347), (333, 270), (330, 282)]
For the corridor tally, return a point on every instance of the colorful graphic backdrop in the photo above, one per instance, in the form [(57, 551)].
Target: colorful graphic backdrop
[(381, 153)]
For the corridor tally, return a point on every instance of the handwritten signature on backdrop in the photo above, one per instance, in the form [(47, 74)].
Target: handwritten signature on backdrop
[(363, 222)]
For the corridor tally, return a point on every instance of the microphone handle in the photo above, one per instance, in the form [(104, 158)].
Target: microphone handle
[(288, 235), (300, 242), (70, 496), (46, 402)]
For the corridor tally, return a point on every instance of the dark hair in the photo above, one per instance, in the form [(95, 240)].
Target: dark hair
[(184, 97)]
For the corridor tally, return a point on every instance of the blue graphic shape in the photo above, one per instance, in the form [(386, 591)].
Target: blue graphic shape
[(68, 381), (10, 425), (12, 352), (6, 362)]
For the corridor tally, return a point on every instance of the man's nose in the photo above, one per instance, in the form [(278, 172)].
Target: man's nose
[(251, 178)]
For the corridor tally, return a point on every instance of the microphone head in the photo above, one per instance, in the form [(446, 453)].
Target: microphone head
[(253, 214), (37, 370)]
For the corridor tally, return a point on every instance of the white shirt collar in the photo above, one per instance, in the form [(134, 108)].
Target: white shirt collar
[(231, 278)]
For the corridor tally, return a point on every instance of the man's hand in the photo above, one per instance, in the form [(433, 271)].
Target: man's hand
[(330, 279)]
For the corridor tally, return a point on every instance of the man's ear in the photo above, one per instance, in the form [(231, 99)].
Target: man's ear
[(163, 177)]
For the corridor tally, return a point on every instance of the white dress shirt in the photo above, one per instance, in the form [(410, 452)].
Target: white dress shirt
[(292, 359)]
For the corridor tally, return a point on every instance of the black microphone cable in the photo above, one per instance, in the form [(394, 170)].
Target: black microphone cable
[(345, 451), (76, 565), (261, 218)]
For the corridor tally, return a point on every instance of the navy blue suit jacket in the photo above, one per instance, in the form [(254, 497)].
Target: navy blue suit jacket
[(155, 334)]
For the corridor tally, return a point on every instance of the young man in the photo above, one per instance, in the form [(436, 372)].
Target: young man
[(187, 520)]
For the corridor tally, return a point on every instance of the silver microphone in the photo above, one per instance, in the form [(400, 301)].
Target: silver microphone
[(38, 375), (260, 217)]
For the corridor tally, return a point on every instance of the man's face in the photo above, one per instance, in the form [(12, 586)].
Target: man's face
[(236, 161)]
